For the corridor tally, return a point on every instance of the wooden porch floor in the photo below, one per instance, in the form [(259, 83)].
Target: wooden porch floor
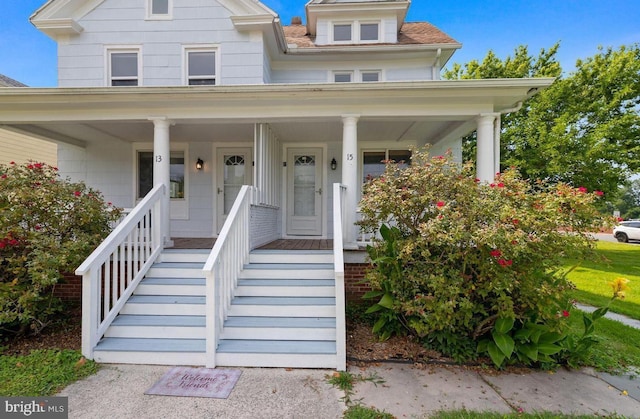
[(281, 244)]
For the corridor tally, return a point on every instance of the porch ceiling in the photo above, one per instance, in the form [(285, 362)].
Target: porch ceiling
[(403, 111)]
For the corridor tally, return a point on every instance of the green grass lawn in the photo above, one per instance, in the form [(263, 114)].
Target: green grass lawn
[(43, 372), (592, 277)]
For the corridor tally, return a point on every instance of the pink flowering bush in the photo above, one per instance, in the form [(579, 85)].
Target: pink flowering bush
[(47, 226), (463, 254)]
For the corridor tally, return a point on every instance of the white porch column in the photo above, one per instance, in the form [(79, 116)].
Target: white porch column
[(497, 128), (485, 166), (350, 177), (161, 171)]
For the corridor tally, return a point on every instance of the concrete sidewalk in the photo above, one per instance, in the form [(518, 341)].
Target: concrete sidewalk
[(410, 392), (117, 391)]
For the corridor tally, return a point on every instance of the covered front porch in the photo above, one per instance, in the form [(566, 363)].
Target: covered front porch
[(301, 151)]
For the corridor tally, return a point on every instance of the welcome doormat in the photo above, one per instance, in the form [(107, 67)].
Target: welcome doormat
[(196, 382)]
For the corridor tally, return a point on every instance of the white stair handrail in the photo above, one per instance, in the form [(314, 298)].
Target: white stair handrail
[(113, 270), (339, 192), (227, 258)]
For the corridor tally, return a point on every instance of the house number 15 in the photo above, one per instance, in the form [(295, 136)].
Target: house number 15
[(349, 156)]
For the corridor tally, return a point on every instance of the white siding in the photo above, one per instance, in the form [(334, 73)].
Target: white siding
[(121, 22), (21, 148)]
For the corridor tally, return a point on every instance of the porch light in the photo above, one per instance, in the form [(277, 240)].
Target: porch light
[(334, 164), (199, 164)]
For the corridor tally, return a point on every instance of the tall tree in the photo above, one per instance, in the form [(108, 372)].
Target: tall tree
[(583, 130)]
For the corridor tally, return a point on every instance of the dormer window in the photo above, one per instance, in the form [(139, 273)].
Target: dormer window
[(355, 32), (159, 9), (369, 32), (342, 32)]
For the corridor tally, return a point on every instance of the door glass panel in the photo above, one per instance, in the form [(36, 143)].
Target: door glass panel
[(304, 186), (234, 171), (176, 168)]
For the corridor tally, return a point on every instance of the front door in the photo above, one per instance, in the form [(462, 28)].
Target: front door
[(234, 170), (304, 191)]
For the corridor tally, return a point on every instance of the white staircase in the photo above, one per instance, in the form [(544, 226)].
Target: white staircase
[(283, 314)]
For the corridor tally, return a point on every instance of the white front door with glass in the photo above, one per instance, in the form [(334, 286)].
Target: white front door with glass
[(234, 170), (304, 191)]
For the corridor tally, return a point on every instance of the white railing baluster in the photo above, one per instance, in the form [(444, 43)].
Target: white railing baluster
[(113, 271), (339, 192), (227, 258)]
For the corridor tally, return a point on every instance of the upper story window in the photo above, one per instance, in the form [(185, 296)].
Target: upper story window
[(369, 32), (348, 76), (201, 66), (343, 76), (159, 9), (342, 32), (370, 75), (124, 67), (355, 32)]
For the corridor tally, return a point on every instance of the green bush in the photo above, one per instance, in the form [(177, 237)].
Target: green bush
[(462, 254), (48, 226)]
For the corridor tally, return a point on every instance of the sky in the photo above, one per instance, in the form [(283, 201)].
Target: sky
[(580, 26)]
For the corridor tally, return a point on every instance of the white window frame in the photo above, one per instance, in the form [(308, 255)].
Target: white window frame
[(356, 32), (151, 16), (121, 49), (356, 75), (179, 207), (186, 49), (384, 150), (342, 23), (350, 73), (367, 22), (363, 72)]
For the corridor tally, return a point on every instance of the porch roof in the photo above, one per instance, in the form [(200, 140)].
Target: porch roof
[(428, 111)]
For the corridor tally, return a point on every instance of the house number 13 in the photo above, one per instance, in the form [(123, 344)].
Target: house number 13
[(158, 158)]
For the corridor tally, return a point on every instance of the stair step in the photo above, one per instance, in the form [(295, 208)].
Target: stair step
[(176, 270), (179, 305), (171, 286), (185, 255), (283, 307), (287, 271), (152, 321), (291, 256), (276, 346), (286, 287), (151, 345), (280, 328)]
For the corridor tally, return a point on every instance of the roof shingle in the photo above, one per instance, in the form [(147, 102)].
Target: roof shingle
[(411, 33), (9, 82)]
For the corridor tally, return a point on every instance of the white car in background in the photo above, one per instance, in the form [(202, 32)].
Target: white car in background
[(627, 230)]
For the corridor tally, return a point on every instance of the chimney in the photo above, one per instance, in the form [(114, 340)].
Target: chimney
[(296, 20)]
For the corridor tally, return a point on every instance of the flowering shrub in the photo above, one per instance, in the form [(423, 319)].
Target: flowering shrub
[(47, 226), (471, 253)]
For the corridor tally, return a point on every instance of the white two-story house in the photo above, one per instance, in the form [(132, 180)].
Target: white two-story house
[(170, 107)]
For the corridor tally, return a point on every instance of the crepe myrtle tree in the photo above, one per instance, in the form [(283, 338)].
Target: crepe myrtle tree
[(457, 254), (48, 226)]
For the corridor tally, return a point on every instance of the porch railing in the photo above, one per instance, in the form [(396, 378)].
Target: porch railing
[(112, 272), (226, 260), (339, 192)]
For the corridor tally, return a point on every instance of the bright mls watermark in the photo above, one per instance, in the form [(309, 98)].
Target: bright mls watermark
[(34, 407)]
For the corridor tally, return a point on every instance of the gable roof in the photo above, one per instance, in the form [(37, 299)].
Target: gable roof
[(9, 82), (60, 17), (411, 33)]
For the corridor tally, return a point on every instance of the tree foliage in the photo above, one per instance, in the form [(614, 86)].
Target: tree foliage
[(583, 130), (48, 226), (463, 254)]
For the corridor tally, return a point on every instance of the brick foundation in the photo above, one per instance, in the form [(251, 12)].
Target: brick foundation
[(353, 275), (69, 288)]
